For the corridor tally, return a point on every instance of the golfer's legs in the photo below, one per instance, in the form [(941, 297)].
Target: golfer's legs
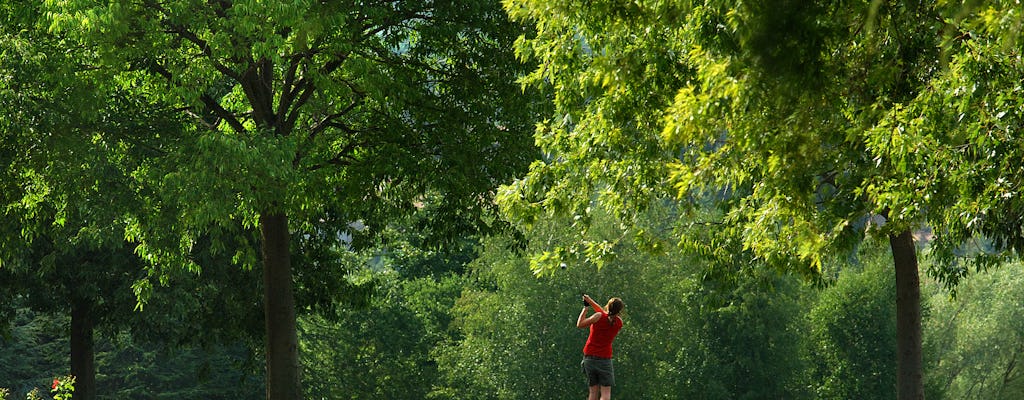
[(606, 392), (595, 393)]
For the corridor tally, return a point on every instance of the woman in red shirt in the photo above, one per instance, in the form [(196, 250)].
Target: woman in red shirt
[(604, 324)]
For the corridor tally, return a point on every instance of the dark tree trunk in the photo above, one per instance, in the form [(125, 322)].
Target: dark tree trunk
[(279, 310), (83, 366), (909, 376)]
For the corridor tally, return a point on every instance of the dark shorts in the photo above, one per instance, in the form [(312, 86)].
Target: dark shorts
[(599, 371)]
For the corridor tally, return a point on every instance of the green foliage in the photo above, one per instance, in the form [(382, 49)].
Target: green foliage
[(971, 123), (610, 78), (800, 134), (517, 341), (746, 348), (383, 350), (63, 388), (314, 115), (34, 353), (126, 367), (70, 147), (975, 340), (176, 124), (852, 341), (688, 332), (854, 108), (394, 100), (132, 368), (382, 346)]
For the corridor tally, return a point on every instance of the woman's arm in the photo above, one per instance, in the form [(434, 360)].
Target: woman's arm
[(597, 307), (583, 321)]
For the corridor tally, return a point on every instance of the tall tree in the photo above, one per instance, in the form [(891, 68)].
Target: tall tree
[(67, 190), (807, 119), (308, 117), (61, 246)]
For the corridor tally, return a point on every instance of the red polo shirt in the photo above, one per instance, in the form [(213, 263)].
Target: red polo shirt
[(602, 333)]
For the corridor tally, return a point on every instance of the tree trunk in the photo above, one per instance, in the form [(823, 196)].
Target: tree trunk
[(83, 366), (279, 310), (909, 376)]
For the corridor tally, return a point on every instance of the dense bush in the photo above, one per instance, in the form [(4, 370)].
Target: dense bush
[(852, 338), (36, 352)]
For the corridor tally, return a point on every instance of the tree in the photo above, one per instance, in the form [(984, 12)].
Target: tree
[(92, 284), (804, 120), (66, 195), (59, 210), (307, 117)]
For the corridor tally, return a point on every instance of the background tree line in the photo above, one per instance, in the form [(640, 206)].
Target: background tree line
[(472, 322)]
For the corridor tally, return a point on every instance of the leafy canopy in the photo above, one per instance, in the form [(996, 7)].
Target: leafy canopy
[(331, 112), (802, 118)]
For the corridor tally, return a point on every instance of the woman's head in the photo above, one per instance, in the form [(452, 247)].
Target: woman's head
[(614, 306)]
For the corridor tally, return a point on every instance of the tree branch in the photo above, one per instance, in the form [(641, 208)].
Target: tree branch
[(293, 114), (257, 83), (342, 158), (329, 121), (207, 100), (200, 118), (399, 20), (287, 89), (204, 47), (222, 113), (295, 96), (223, 6)]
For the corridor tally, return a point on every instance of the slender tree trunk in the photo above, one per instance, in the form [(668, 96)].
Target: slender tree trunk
[(279, 310), (83, 366), (909, 375)]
